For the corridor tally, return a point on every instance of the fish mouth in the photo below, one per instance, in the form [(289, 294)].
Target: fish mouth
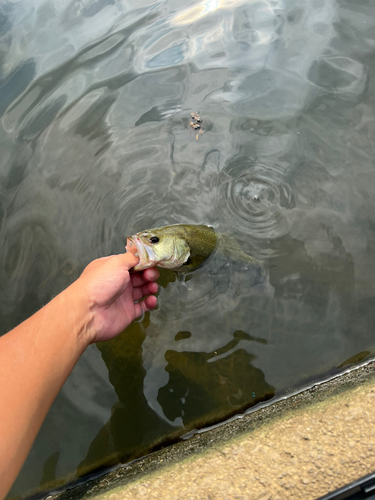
[(144, 257)]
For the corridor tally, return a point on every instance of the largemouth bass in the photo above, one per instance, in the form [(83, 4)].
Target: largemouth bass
[(182, 247)]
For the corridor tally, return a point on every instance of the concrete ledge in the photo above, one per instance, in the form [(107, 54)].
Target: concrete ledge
[(302, 448)]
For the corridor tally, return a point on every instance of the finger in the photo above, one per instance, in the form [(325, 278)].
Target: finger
[(149, 303), (141, 291), (138, 279), (151, 274), (145, 305), (141, 278), (128, 259)]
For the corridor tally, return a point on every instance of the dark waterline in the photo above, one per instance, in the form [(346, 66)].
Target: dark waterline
[(95, 104)]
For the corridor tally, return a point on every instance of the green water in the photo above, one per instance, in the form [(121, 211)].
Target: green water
[(95, 103)]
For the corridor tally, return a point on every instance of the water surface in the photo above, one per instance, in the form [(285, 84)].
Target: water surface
[(95, 103)]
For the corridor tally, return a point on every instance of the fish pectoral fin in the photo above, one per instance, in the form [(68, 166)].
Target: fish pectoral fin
[(182, 252)]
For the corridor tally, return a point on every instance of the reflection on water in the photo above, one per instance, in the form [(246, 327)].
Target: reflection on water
[(203, 388), (96, 99), (130, 426)]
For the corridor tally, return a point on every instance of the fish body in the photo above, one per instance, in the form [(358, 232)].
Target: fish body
[(182, 247)]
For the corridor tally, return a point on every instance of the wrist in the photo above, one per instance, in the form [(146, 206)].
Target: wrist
[(78, 315)]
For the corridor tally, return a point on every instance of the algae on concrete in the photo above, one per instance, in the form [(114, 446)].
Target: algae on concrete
[(301, 447)]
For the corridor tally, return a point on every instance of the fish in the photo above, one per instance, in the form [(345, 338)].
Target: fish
[(182, 247)]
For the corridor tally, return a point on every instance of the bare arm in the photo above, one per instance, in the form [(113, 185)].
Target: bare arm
[(38, 355)]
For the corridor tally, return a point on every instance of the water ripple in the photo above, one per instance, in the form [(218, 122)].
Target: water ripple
[(255, 198)]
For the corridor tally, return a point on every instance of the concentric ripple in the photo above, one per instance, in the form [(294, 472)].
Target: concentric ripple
[(255, 198)]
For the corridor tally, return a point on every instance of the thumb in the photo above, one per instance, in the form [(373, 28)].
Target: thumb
[(128, 259)]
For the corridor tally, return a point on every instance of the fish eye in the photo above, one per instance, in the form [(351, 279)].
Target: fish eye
[(154, 239)]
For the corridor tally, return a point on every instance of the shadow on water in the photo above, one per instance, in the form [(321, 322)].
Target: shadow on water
[(130, 427), (205, 388), (202, 390), (49, 469)]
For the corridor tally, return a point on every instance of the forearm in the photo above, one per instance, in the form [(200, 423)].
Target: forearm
[(35, 360), (37, 356)]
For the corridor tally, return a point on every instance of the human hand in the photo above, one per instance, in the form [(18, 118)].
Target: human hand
[(111, 294)]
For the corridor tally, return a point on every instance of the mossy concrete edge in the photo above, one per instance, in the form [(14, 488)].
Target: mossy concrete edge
[(202, 442)]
